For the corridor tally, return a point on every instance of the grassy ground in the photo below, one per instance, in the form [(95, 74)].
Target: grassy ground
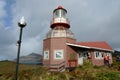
[(9, 67), (85, 72)]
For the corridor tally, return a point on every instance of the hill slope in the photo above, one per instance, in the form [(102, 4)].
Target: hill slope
[(32, 58)]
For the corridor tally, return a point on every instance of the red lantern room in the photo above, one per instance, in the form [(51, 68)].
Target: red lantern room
[(59, 18)]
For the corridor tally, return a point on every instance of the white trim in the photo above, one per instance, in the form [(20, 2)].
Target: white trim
[(46, 54), (102, 49), (89, 47), (77, 45), (61, 54)]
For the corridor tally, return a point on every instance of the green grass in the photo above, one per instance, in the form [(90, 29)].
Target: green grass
[(85, 72), (9, 67)]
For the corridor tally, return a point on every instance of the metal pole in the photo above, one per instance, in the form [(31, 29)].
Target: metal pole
[(18, 54)]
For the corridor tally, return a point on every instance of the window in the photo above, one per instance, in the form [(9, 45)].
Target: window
[(46, 54), (56, 14), (58, 54), (59, 13), (97, 54), (102, 54), (86, 54), (63, 13)]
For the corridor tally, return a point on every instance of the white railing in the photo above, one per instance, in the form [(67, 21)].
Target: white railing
[(60, 20)]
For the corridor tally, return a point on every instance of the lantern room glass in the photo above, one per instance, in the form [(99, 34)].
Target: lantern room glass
[(60, 13)]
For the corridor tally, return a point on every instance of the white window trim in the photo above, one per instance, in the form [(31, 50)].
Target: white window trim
[(62, 55), (99, 57), (100, 54), (46, 54), (103, 55)]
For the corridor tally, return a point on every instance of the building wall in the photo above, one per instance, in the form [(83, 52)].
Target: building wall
[(57, 43), (46, 46), (70, 40), (95, 61), (69, 53), (100, 60), (71, 57)]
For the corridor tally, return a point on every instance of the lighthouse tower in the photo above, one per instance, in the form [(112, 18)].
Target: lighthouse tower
[(55, 51)]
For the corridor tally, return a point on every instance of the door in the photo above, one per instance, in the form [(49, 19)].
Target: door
[(80, 59)]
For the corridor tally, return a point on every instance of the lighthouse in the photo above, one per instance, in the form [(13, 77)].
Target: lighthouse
[(61, 51), (55, 50)]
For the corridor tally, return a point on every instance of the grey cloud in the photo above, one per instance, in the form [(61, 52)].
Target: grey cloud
[(2, 11), (91, 20)]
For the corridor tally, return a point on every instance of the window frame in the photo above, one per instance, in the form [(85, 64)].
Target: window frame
[(102, 55), (62, 54), (46, 54), (97, 54), (86, 54)]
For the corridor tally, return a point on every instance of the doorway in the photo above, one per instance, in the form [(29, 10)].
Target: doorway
[(83, 56), (80, 58)]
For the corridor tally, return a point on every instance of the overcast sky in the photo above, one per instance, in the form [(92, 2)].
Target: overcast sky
[(91, 20)]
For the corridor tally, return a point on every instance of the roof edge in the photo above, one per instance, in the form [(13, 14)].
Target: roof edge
[(89, 47)]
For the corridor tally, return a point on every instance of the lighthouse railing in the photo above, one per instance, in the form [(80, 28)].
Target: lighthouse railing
[(60, 20)]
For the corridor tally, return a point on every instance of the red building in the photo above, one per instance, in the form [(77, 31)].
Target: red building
[(61, 51)]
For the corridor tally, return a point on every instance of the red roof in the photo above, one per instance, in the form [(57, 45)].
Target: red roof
[(97, 44)]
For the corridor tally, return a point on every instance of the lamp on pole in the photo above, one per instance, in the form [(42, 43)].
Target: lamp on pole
[(21, 24)]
